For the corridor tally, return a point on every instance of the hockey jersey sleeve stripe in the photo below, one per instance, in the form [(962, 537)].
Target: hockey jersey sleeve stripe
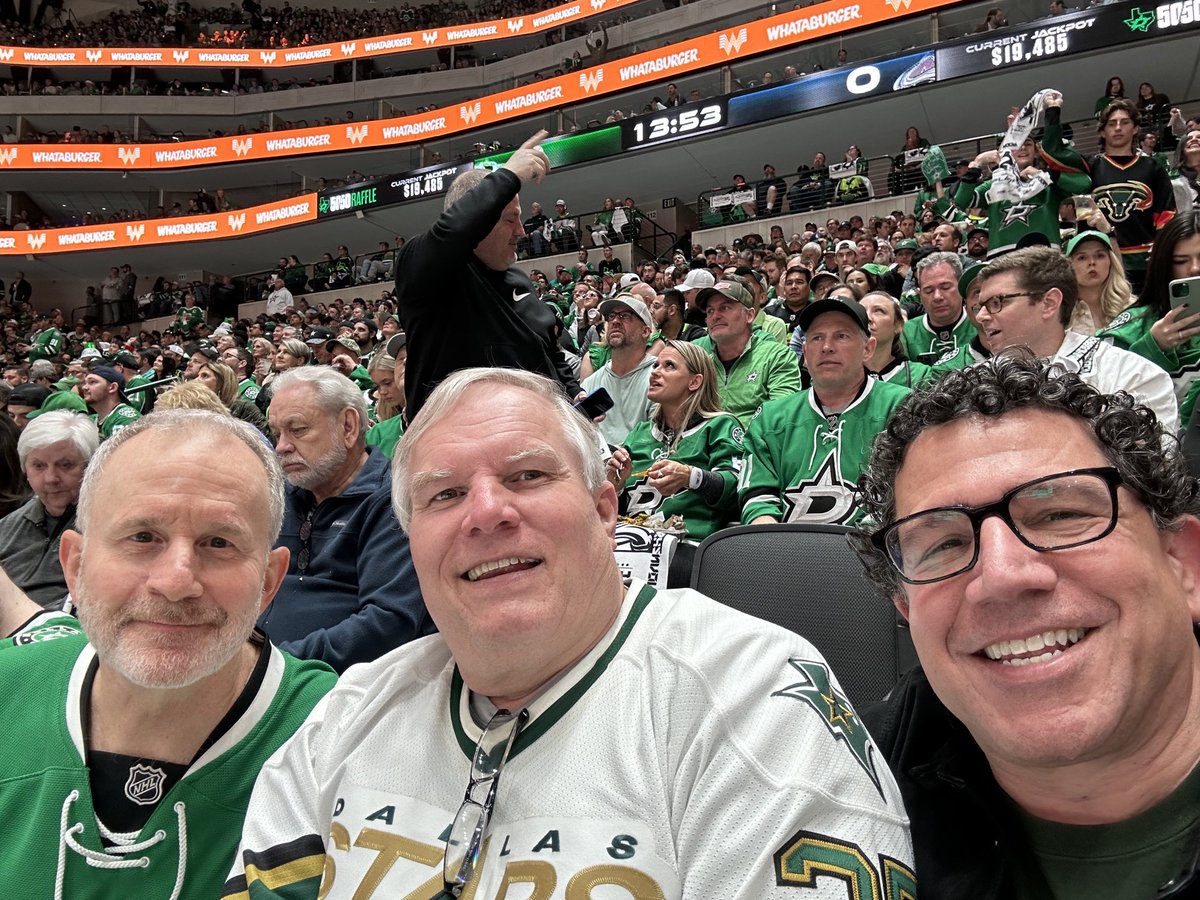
[(290, 871)]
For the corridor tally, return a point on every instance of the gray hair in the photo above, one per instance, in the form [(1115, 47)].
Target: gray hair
[(463, 185), (940, 258), (188, 422), (296, 348), (582, 435), (334, 391), (59, 425), (42, 368)]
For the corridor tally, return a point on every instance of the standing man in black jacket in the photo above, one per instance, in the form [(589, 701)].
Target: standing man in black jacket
[(1047, 746), (462, 301)]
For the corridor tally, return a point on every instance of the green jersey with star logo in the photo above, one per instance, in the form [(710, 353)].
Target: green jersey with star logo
[(714, 444), (928, 343), (802, 465), (140, 400), (248, 389), (123, 414)]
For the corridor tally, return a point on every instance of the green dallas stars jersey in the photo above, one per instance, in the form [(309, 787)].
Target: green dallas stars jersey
[(140, 400), (248, 389), (1008, 222), (714, 444), (928, 343), (123, 414), (46, 625), (47, 345), (1131, 331), (183, 852), (802, 466)]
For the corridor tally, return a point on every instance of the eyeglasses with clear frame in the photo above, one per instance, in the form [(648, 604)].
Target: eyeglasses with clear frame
[(470, 827), (1055, 512)]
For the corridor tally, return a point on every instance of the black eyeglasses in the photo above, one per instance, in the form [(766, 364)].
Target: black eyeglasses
[(470, 826), (1056, 512), (621, 316), (994, 304)]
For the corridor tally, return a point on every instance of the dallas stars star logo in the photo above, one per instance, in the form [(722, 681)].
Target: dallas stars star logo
[(323, 205), (1018, 212), (1140, 21), (817, 691), (823, 499)]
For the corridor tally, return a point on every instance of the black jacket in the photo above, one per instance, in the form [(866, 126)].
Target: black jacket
[(458, 313)]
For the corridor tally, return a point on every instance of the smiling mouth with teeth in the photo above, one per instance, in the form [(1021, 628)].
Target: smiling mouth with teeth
[(1036, 648), (500, 567)]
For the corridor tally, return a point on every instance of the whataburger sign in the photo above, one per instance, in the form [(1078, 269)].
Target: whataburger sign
[(149, 232), (703, 52), (280, 58)]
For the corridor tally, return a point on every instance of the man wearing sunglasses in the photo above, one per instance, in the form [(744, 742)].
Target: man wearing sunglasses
[(613, 741), (1047, 744), (1026, 299)]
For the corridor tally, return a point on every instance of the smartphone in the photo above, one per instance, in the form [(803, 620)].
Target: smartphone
[(1185, 292), (597, 403), (1084, 206)]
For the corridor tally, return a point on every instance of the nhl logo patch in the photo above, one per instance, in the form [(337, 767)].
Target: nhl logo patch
[(145, 784)]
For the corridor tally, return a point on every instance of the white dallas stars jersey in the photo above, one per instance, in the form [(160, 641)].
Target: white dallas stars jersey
[(694, 752)]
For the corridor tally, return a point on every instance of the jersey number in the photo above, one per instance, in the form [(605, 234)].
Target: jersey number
[(809, 856)]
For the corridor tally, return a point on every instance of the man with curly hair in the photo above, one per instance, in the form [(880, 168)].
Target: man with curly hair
[(1047, 744)]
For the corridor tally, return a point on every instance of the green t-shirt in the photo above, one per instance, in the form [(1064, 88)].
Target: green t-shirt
[(386, 434), (1125, 859)]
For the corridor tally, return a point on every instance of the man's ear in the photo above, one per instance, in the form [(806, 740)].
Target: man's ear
[(1051, 301), (70, 552), (901, 603), (1183, 551)]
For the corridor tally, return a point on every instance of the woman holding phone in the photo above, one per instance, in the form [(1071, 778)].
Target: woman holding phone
[(683, 460), (1164, 324)]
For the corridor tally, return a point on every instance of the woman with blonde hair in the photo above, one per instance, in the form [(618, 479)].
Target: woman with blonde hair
[(388, 374), (683, 460), (223, 382), (1104, 291), (191, 395)]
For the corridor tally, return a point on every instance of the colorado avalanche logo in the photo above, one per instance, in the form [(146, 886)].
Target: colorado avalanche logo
[(145, 784)]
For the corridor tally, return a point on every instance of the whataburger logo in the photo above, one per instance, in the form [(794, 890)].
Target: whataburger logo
[(896, 4), (6, 54), (94, 55), (357, 135), (236, 221), (266, 56), (515, 25), (590, 82), (348, 49), (429, 37), (732, 42), (8, 155), (470, 113), (242, 147), (35, 241), (598, 4), (135, 232), (129, 155), (182, 55)]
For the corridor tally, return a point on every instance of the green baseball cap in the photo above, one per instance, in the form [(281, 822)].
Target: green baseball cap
[(1089, 236)]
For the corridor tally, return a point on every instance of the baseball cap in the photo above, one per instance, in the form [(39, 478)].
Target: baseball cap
[(976, 228), (697, 278), (970, 273), (851, 308), (631, 303), (817, 276), (91, 353), (111, 375), (348, 342), (1033, 239), (905, 244), (28, 395), (319, 336), (60, 400), (1088, 236), (730, 289), (176, 349), (126, 359), (629, 278), (842, 245)]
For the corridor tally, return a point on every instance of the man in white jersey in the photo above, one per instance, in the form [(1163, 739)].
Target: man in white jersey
[(652, 744)]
